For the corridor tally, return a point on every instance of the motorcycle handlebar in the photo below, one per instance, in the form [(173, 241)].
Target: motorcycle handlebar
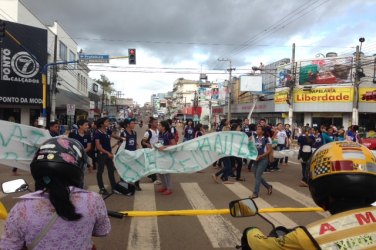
[(115, 214)]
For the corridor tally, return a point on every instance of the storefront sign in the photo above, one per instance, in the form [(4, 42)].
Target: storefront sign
[(262, 106), (367, 95), (323, 95), (20, 72), (281, 97), (71, 109)]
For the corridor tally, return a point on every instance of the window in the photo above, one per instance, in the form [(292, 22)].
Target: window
[(95, 87), (72, 56), (63, 51)]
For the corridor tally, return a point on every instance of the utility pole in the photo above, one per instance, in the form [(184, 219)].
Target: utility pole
[(229, 87), (53, 85), (292, 86), (358, 74)]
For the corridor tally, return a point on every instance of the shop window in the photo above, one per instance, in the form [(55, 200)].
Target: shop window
[(63, 51), (10, 114)]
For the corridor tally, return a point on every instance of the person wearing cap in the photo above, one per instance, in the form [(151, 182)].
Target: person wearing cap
[(342, 180), (60, 214)]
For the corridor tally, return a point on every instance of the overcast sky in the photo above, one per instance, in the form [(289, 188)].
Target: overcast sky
[(181, 38)]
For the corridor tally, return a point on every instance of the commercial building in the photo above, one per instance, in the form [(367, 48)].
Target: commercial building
[(21, 98)]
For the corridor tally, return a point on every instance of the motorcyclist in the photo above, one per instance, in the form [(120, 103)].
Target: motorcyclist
[(342, 180), (60, 214)]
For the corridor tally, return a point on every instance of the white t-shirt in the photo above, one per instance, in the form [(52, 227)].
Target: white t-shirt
[(154, 136), (281, 137)]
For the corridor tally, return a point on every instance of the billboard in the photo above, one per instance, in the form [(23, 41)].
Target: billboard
[(20, 70), (251, 83), (284, 75), (331, 70)]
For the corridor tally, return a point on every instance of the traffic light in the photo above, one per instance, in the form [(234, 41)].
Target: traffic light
[(132, 56), (2, 29)]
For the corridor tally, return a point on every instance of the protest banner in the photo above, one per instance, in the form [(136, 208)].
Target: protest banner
[(18, 143), (188, 157)]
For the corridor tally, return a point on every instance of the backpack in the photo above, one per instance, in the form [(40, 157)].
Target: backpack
[(174, 131), (148, 140)]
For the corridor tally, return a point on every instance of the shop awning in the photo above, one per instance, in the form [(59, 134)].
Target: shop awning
[(65, 97)]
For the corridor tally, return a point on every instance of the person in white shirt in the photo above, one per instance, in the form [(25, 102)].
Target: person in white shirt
[(282, 143), (150, 138)]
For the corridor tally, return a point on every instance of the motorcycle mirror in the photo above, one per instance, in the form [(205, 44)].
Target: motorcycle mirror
[(243, 208), (14, 186)]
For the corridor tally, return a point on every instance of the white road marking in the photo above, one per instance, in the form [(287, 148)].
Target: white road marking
[(296, 163), (144, 234), (297, 196), (220, 231), (278, 219)]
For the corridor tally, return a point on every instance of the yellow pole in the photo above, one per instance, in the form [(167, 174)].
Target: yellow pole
[(215, 212), (44, 85)]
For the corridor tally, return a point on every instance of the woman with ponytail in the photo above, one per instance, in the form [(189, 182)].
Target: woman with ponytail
[(60, 214)]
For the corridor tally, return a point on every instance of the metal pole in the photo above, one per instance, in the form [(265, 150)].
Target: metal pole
[(54, 81), (229, 94), (291, 90), (355, 114)]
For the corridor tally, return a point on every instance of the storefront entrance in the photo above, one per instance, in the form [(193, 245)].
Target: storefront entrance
[(10, 114), (327, 121)]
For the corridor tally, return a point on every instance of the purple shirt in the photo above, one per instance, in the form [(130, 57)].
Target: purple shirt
[(29, 216)]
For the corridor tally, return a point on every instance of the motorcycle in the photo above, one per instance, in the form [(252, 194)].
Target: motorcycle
[(247, 208), (20, 185)]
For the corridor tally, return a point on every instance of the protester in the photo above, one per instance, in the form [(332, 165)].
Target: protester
[(59, 214), (82, 135), (150, 138), (54, 128), (305, 142), (102, 139), (188, 131), (199, 130), (282, 142), (166, 139), (236, 162), (129, 135), (264, 148)]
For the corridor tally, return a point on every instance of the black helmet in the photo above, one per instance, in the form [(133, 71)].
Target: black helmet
[(60, 157), (343, 171)]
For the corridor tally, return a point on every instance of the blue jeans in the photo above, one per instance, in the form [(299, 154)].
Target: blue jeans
[(258, 169)]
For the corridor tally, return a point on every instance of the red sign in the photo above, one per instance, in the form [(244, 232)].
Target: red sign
[(192, 111)]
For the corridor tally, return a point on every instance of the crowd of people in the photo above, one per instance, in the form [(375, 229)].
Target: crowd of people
[(45, 218)]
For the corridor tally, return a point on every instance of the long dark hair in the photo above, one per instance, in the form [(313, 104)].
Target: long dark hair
[(166, 125), (59, 195)]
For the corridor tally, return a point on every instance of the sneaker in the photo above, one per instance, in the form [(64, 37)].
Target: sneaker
[(103, 191), (276, 169), (161, 190), (157, 182), (267, 171), (167, 192)]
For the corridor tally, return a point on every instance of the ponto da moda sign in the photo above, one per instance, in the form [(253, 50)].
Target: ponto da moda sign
[(20, 69)]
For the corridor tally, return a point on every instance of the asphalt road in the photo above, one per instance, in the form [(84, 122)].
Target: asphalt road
[(196, 191)]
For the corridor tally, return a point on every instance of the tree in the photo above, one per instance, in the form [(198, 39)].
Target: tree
[(107, 87)]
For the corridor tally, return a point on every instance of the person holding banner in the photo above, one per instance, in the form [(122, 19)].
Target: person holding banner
[(165, 139), (102, 139)]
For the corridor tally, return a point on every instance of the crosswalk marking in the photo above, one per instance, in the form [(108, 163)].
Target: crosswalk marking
[(144, 232), (297, 196), (276, 218), (219, 230)]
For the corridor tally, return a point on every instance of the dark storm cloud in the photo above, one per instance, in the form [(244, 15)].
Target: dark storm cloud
[(173, 30)]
